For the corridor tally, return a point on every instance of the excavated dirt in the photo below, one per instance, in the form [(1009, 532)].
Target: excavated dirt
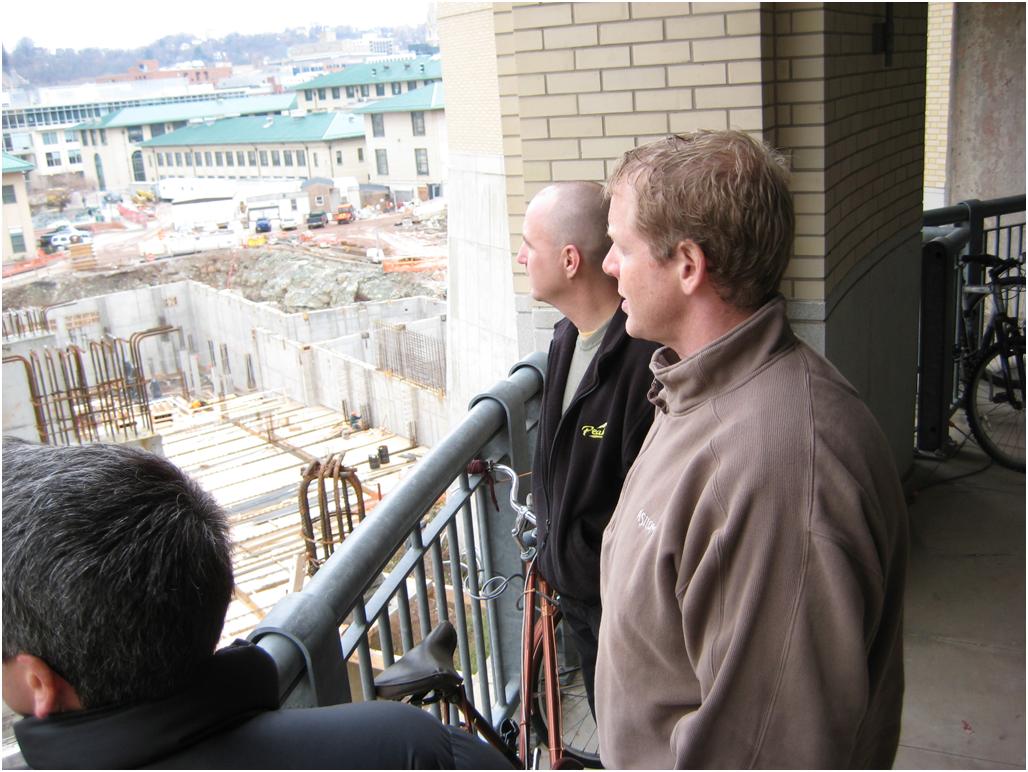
[(293, 277)]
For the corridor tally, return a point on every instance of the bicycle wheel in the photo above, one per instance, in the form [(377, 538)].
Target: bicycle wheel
[(581, 741), (994, 404)]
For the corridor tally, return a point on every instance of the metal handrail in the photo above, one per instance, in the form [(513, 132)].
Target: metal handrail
[(372, 574)]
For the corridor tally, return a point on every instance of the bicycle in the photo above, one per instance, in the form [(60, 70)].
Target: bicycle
[(992, 361), (554, 708)]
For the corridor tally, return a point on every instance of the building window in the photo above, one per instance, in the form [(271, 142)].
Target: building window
[(156, 130), (189, 158), (339, 156), (382, 161), (138, 169), (421, 160), (240, 158), (351, 92), (135, 133), (229, 159), (251, 157), (49, 137), (198, 158), (321, 93), (411, 85), (264, 158), (378, 125), (417, 124), (70, 136), (103, 136), (93, 137), (9, 195), (360, 154), (301, 158), (53, 159), (208, 158), (308, 94), (74, 156), (17, 238), (85, 137), (380, 89), (287, 157), (276, 158), (397, 87), (365, 90), (160, 159), (335, 92), (178, 158)]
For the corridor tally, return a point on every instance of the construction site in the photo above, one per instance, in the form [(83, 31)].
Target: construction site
[(297, 378)]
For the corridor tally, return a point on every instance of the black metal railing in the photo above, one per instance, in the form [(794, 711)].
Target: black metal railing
[(437, 547), (972, 227)]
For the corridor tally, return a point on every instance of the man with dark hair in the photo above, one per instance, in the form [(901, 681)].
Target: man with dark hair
[(117, 575), (594, 411), (752, 573)]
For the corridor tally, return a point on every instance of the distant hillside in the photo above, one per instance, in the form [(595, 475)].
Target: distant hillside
[(39, 67)]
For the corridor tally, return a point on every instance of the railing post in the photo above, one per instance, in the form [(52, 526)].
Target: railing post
[(518, 443)]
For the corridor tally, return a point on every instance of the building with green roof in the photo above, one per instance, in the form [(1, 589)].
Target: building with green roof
[(371, 81), (406, 140), (112, 144), (19, 238), (268, 147)]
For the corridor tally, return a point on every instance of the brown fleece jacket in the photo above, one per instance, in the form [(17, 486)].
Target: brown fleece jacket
[(752, 573)]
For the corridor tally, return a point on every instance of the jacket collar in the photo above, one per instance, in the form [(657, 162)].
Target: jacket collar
[(682, 384), (235, 684)]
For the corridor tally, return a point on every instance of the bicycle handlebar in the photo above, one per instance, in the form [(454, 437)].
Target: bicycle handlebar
[(524, 524)]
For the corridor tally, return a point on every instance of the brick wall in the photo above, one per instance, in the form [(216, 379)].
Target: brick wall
[(940, 54)]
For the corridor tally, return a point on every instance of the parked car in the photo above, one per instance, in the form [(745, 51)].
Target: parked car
[(289, 224), (317, 219), (65, 237), (263, 225)]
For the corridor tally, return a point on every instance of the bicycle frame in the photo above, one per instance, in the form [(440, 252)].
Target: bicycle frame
[(538, 637)]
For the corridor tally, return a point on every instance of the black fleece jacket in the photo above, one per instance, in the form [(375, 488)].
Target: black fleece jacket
[(582, 456), (228, 720)]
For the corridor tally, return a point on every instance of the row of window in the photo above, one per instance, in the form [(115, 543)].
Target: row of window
[(396, 87), (91, 136), (54, 158), (54, 116), (235, 158), (53, 137), (417, 124), (420, 161)]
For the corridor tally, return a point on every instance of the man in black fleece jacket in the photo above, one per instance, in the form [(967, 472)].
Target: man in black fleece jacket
[(117, 574), (595, 413)]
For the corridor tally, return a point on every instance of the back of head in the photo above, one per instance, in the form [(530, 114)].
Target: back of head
[(578, 215), (117, 569), (725, 191)]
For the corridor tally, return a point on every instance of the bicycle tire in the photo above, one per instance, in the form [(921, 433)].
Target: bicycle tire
[(997, 421), (581, 740)]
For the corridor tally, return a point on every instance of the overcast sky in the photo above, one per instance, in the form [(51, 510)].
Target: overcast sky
[(66, 24)]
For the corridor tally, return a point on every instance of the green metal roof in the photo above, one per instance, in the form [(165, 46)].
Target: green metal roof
[(428, 97), (185, 111), (418, 68), (259, 130), (14, 164)]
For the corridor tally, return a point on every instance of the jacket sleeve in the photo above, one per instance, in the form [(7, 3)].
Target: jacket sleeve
[(776, 628)]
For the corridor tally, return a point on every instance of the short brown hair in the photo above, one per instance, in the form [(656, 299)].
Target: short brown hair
[(724, 190)]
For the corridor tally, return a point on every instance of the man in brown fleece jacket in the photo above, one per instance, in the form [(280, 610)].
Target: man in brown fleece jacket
[(752, 573)]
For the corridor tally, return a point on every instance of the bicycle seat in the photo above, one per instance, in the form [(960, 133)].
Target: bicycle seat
[(427, 667)]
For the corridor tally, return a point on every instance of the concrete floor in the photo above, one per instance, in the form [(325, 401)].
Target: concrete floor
[(965, 617)]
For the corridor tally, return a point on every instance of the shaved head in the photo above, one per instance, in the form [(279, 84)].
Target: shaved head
[(576, 213)]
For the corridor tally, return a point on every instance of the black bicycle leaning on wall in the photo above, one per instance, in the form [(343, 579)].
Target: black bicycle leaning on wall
[(990, 353)]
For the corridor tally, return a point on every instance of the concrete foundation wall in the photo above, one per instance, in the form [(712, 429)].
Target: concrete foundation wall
[(240, 345)]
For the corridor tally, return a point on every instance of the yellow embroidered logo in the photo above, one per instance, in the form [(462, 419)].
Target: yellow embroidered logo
[(594, 432)]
